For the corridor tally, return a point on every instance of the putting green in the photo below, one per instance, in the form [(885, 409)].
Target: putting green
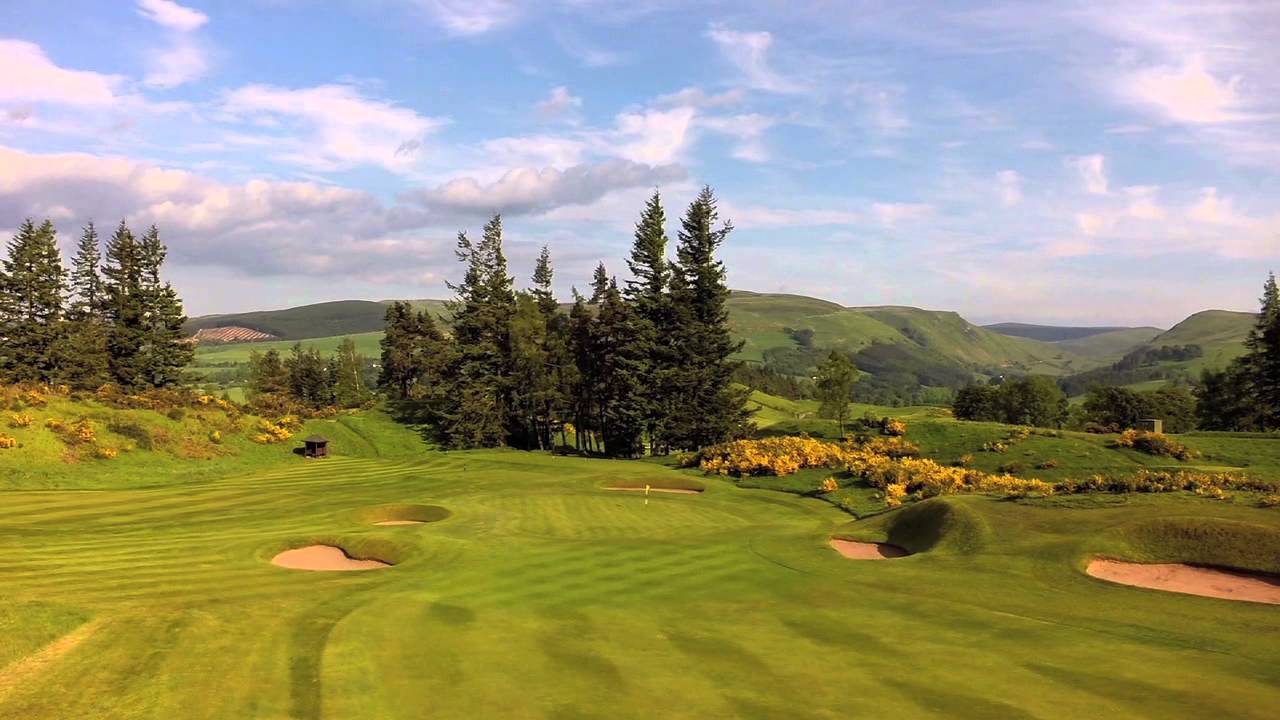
[(539, 593)]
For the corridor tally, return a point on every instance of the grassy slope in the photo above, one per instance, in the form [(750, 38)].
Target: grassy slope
[(1220, 333), (545, 596), (207, 356), (342, 317), (1109, 347), (184, 452)]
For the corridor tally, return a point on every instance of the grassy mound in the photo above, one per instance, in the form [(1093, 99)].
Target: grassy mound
[(1196, 541), (945, 525), (404, 512)]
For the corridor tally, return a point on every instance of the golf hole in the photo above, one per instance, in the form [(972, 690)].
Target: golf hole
[(867, 550), (325, 558), (1190, 580)]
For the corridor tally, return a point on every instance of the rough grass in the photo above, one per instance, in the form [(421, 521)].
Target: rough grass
[(546, 596)]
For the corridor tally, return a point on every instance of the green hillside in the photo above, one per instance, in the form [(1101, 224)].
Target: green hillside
[(1051, 333), (1220, 333), (344, 317), (1112, 345)]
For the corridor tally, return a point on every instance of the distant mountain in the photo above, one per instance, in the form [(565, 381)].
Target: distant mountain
[(344, 317), (1055, 333), (1219, 333)]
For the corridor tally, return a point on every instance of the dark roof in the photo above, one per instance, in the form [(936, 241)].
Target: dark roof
[(316, 439)]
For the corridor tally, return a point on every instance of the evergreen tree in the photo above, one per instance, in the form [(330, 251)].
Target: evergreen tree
[(268, 374), (835, 380), (125, 308), (399, 370), (32, 288), (531, 380), (310, 379), (82, 357), (599, 284), (349, 387), (555, 350), (480, 407), (542, 278), (1260, 365), (710, 408), (585, 378), (620, 365), (166, 351), (648, 292)]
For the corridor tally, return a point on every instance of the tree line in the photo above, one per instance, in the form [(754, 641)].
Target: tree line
[(642, 366), (1245, 396), (109, 319), (306, 378)]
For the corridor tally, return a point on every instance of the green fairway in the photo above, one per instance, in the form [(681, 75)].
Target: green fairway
[(545, 595)]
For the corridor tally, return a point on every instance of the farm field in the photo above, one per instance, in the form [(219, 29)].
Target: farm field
[(543, 594)]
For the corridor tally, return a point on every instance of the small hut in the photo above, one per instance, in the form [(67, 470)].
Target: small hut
[(316, 446), (1151, 425)]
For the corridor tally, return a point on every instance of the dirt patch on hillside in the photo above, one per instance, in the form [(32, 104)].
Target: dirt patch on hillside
[(678, 491), (867, 550), (385, 523), (324, 557), (1191, 580)]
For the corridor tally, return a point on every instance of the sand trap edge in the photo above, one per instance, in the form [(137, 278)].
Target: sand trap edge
[(1184, 579), (324, 558), (856, 550)]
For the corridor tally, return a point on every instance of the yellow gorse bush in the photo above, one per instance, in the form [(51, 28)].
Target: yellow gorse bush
[(7, 442), (279, 431), (20, 420), (1154, 444)]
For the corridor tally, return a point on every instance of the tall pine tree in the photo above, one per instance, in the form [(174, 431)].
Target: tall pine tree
[(82, 350), (480, 394), (710, 408), (620, 361), (648, 293), (125, 308), (166, 350), (1260, 365), (32, 289)]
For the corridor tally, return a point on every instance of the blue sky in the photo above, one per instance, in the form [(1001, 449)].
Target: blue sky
[(1081, 162)]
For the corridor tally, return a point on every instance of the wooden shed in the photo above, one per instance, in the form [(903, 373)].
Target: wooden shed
[(316, 446)]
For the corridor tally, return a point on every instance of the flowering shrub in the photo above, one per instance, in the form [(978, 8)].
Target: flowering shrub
[(769, 456), (55, 424), (995, 447), (1270, 501), (215, 437), (830, 485), (895, 447), (269, 432), (1160, 481), (893, 427), (106, 453), (7, 442), (964, 461), (1153, 443), (20, 420)]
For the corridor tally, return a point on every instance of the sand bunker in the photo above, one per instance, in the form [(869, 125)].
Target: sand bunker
[(1190, 579), (867, 550), (400, 522), (324, 557), (680, 491)]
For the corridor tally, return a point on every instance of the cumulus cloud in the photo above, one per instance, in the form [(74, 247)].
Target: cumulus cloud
[(185, 57), (1187, 93), (333, 126), (655, 137), (1092, 170), (27, 75), (528, 190)]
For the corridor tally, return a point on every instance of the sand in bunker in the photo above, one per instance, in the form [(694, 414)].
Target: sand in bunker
[(400, 522), (867, 551), (323, 557), (680, 491), (1189, 579)]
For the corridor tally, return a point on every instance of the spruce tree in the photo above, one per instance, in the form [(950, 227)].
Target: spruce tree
[(268, 374), (82, 346), (1260, 365), (480, 394), (710, 408), (599, 284), (620, 362), (32, 289), (648, 292), (581, 390), (555, 350), (166, 351), (531, 381), (125, 308)]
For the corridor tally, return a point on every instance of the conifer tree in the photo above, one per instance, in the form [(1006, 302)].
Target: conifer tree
[(531, 380), (582, 388), (710, 408), (82, 358), (555, 349), (1260, 365), (166, 352), (268, 374), (620, 362), (125, 308), (599, 284), (480, 407), (32, 290), (648, 292), (87, 293), (310, 379)]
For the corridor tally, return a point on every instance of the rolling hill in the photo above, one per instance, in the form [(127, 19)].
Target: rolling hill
[(1050, 333), (1219, 333)]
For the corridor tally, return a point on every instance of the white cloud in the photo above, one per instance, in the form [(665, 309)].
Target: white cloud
[(762, 217), (559, 103), (696, 97), (890, 214), (180, 63), (27, 75), (1143, 204), (1213, 209), (749, 52), (471, 17), (654, 137), (1009, 187), (172, 15), (1187, 93), (529, 190), (343, 127), (1093, 173), (748, 129)]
